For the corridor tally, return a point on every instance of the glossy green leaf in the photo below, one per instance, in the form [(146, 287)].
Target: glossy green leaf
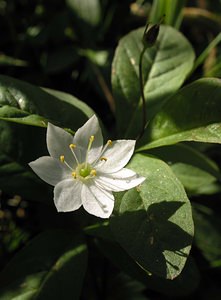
[(192, 114), (165, 67), (195, 180), (197, 172), (24, 103), (183, 153), (154, 223), (51, 266)]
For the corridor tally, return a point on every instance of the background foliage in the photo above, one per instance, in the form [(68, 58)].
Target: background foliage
[(61, 61)]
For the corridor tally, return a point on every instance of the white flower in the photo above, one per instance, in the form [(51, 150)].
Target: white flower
[(83, 171)]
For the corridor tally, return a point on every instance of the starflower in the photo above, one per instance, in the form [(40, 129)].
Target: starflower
[(83, 171)]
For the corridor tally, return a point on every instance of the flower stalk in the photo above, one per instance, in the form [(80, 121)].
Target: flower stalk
[(149, 39)]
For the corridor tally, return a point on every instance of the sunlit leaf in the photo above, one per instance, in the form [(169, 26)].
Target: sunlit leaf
[(165, 67), (27, 104), (154, 222), (192, 114)]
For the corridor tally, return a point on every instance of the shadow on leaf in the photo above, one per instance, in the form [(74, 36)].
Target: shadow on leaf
[(152, 240)]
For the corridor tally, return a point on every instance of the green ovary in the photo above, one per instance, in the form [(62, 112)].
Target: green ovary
[(84, 170)]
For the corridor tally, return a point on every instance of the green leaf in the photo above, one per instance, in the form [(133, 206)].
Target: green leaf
[(182, 153), (19, 145), (192, 114), (214, 70), (182, 285), (170, 9), (201, 59), (165, 67), (207, 233), (154, 223), (88, 11), (11, 61), (16, 179), (124, 287), (195, 170), (24, 103), (51, 266), (195, 180)]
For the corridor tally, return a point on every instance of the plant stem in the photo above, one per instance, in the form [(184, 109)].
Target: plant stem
[(142, 94), (104, 87)]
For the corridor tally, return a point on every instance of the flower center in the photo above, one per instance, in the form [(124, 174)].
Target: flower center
[(84, 170)]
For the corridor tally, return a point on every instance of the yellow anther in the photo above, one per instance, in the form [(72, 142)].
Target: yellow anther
[(62, 158), (93, 172), (103, 158), (91, 138), (109, 142), (72, 146), (74, 174)]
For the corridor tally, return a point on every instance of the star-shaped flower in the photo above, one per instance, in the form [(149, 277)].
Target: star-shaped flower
[(83, 171)]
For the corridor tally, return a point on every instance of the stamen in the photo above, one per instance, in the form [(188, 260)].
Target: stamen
[(72, 147), (91, 139), (74, 174), (103, 158), (93, 172), (109, 143), (62, 159)]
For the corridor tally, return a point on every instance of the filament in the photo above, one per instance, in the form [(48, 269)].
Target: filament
[(72, 147)]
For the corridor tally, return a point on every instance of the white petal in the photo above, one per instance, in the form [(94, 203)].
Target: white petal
[(82, 136), (67, 195), (58, 141), (96, 201), (50, 169), (120, 181), (118, 154)]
